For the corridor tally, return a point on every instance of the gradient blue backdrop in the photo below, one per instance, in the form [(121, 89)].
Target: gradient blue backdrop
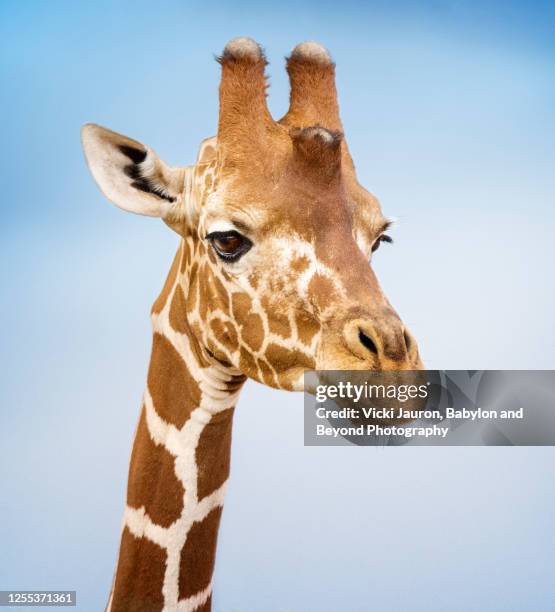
[(449, 109)]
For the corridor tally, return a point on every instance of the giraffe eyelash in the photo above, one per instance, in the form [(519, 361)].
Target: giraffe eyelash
[(379, 240)]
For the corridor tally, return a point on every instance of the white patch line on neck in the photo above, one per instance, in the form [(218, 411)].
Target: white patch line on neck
[(193, 602)]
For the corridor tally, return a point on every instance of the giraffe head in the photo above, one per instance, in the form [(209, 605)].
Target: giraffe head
[(274, 272)]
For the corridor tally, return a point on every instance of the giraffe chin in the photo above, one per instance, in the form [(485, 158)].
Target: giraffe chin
[(304, 380)]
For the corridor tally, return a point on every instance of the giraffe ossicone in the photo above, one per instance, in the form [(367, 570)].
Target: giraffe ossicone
[(312, 51), (272, 278), (243, 47)]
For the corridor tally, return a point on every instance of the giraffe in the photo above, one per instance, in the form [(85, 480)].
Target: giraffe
[(271, 279)]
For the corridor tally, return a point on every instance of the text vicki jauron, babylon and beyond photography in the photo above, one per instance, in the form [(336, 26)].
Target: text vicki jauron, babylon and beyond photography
[(382, 414)]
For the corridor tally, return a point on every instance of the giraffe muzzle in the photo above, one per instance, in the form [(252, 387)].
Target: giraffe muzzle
[(382, 342)]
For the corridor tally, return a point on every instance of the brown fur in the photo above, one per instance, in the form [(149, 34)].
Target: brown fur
[(213, 453), (139, 577), (174, 391), (313, 98), (177, 310), (198, 555), (152, 481)]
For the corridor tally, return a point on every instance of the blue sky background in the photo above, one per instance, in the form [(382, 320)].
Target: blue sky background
[(449, 109)]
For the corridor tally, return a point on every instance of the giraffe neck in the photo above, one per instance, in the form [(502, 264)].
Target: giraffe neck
[(178, 470)]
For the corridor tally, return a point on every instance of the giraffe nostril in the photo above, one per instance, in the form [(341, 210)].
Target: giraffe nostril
[(367, 342), (408, 340)]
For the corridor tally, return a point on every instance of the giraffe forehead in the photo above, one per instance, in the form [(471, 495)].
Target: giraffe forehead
[(287, 205), (265, 213)]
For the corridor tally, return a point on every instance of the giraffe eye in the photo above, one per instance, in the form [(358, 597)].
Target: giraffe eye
[(380, 239), (229, 246)]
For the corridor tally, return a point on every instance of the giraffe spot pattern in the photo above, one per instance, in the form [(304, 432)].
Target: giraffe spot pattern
[(307, 326), (175, 393), (240, 306), (198, 555), (252, 332), (288, 358), (322, 291), (247, 363), (152, 480), (140, 575), (213, 453), (225, 333), (178, 311), (278, 321)]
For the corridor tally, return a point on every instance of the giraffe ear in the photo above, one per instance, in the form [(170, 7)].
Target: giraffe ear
[(131, 175)]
